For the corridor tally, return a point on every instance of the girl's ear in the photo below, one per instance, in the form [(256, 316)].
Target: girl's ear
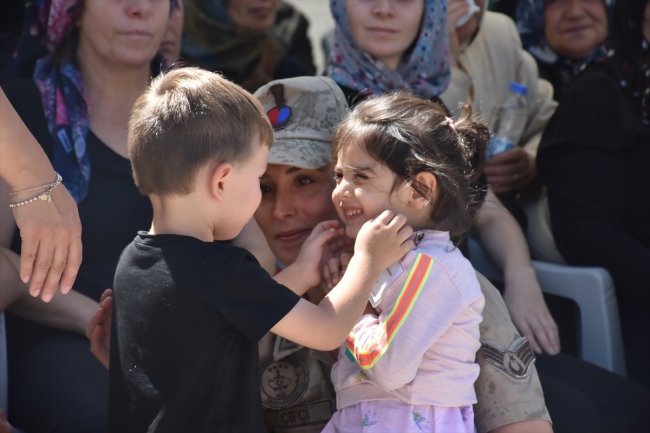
[(219, 178), (429, 182)]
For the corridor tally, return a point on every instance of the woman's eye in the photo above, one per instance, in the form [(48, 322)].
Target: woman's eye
[(265, 189), (302, 181)]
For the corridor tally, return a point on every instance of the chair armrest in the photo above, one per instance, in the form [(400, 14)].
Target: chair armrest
[(592, 289)]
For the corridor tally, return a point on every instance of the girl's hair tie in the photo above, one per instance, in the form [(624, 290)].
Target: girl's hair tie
[(451, 123)]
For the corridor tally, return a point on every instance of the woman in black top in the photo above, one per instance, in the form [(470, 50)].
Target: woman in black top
[(96, 59), (593, 159)]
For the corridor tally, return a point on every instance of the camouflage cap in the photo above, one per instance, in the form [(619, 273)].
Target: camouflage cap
[(303, 112)]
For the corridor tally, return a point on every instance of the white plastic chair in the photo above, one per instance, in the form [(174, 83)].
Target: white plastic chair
[(591, 288)]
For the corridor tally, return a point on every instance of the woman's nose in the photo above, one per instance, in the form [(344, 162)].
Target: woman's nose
[(284, 206), (382, 7)]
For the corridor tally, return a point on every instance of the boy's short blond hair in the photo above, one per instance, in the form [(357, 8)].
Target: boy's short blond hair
[(186, 119)]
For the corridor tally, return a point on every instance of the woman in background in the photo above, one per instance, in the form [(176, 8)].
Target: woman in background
[(251, 42), (563, 35), (593, 160)]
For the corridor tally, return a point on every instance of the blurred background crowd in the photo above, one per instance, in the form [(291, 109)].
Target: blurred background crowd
[(563, 84)]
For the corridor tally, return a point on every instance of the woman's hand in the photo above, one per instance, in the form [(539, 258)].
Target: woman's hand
[(455, 11), (99, 329), (51, 243), (5, 427), (513, 169), (528, 311)]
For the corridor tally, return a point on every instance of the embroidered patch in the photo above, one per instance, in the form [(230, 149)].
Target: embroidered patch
[(280, 115), (514, 361), (283, 382)]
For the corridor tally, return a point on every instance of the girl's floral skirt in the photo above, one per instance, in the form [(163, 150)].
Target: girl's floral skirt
[(392, 416)]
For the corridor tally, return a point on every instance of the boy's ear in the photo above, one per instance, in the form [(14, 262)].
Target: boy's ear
[(219, 176), (429, 183)]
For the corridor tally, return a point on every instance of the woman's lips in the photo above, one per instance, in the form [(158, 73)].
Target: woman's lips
[(381, 31), (292, 235)]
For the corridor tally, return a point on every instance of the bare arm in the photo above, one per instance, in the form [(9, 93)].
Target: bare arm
[(528, 426), (50, 232), (325, 326), (71, 312), (505, 244)]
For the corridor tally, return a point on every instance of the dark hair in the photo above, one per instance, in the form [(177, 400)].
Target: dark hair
[(186, 119), (410, 135)]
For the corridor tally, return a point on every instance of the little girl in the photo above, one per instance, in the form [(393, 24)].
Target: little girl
[(408, 365)]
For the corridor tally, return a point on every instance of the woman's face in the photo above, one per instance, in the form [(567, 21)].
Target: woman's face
[(385, 29), (257, 15), (294, 201), (170, 47), (574, 28), (128, 32)]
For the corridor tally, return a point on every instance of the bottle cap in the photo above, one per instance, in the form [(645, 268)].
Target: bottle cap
[(519, 88)]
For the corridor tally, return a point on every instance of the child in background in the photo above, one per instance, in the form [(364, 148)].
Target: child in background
[(410, 366), (189, 311)]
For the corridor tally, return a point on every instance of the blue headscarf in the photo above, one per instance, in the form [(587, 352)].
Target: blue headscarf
[(48, 25), (530, 23), (423, 71)]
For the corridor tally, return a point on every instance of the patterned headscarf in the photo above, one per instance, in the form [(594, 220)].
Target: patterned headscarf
[(629, 55), (423, 71), (211, 40), (530, 23), (48, 25)]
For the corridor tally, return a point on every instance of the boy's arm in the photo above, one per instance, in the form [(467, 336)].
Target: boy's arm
[(325, 326)]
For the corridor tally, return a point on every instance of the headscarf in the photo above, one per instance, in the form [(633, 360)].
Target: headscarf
[(424, 70), (530, 23), (48, 25), (629, 55), (211, 40)]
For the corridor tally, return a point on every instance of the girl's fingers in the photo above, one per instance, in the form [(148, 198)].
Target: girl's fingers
[(327, 276), (334, 268)]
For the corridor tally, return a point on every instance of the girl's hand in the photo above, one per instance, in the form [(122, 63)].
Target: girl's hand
[(529, 313), (334, 270), (383, 240)]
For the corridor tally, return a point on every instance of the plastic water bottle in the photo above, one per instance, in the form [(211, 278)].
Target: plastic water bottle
[(511, 121)]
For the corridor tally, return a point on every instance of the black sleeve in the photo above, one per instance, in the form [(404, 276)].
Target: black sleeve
[(26, 100), (248, 297)]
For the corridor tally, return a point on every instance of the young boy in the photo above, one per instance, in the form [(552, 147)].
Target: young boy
[(189, 311)]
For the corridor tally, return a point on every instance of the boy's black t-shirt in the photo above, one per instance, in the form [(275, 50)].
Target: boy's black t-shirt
[(187, 318)]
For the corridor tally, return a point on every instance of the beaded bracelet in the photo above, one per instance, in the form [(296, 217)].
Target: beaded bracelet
[(47, 185), (44, 196)]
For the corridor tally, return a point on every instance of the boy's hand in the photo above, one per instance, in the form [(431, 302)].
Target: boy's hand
[(99, 329), (334, 270), (384, 240), (313, 249)]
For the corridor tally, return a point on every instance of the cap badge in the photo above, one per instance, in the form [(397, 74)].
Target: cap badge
[(280, 115)]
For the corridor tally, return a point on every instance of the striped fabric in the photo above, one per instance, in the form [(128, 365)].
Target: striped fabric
[(368, 356)]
